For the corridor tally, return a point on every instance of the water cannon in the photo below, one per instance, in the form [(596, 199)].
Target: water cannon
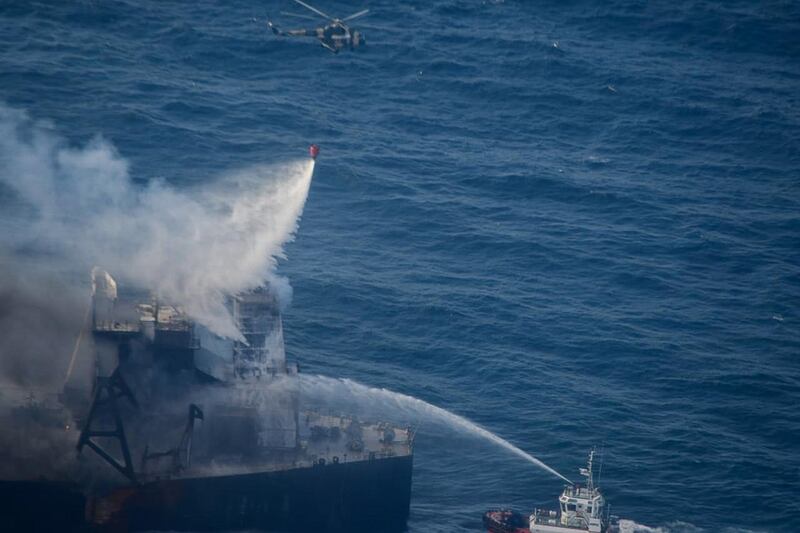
[(313, 151)]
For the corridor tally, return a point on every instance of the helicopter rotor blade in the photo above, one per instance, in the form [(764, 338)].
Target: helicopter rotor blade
[(297, 15), (356, 15), (314, 9)]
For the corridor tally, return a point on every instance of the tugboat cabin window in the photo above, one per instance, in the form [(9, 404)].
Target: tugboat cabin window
[(570, 507)]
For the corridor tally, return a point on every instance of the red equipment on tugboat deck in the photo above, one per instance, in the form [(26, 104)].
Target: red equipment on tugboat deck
[(313, 151), (505, 521)]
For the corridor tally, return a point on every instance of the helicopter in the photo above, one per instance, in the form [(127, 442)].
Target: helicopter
[(335, 36)]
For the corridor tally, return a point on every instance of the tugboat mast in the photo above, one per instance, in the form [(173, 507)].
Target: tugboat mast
[(587, 472)]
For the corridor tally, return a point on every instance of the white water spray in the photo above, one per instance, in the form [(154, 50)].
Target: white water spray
[(192, 246), (330, 387)]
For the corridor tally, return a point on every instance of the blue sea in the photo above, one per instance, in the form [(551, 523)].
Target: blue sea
[(575, 223)]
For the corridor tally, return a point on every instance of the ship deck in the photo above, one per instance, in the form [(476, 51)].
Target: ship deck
[(324, 439)]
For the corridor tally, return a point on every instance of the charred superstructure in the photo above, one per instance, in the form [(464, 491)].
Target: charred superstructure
[(187, 430)]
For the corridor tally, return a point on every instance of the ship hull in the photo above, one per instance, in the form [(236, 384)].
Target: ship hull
[(364, 496), (41, 506)]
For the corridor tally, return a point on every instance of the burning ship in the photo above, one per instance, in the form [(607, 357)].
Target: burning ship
[(176, 428)]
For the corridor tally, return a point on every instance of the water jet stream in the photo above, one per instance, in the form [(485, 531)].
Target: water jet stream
[(191, 246), (315, 385)]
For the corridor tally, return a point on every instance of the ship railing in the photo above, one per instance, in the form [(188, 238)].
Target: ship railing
[(333, 458), (310, 461), (173, 325), (547, 517), (266, 371), (115, 326), (579, 521)]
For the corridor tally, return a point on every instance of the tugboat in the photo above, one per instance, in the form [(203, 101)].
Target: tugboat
[(581, 508)]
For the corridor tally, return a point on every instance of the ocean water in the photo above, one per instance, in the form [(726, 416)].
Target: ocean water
[(575, 223)]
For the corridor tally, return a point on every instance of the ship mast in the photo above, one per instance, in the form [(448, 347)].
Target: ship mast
[(587, 472)]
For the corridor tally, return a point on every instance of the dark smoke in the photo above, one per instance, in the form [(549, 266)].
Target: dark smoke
[(40, 319)]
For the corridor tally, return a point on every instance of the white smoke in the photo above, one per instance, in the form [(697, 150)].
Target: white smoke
[(192, 248)]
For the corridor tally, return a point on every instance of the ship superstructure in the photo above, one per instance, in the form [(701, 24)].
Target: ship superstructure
[(186, 430), (219, 421), (581, 507)]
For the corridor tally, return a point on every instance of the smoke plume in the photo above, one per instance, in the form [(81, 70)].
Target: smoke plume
[(77, 207)]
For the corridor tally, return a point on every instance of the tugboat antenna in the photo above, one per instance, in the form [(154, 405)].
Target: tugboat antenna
[(587, 472)]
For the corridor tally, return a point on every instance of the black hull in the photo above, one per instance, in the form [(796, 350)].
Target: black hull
[(41, 506), (366, 496)]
